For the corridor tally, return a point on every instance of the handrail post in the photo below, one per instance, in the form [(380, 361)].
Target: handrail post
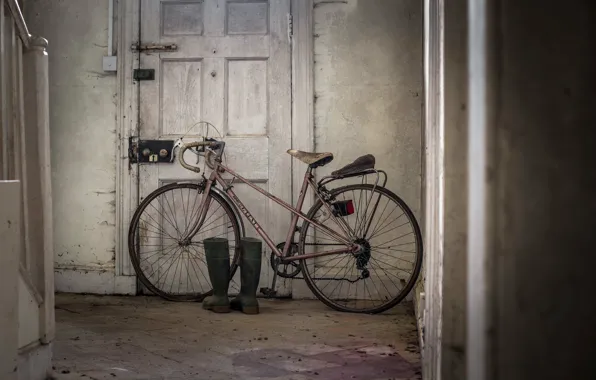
[(17, 15), (37, 117)]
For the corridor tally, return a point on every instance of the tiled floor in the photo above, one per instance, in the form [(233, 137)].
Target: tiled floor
[(147, 338)]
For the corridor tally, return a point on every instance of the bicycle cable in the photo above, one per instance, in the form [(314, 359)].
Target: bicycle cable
[(205, 137)]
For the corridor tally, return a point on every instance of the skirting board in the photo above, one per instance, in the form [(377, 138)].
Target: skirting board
[(35, 363), (300, 291), (69, 280), (419, 312)]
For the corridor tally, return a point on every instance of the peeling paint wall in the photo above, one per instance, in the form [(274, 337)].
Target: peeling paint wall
[(368, 87), (83, 127)]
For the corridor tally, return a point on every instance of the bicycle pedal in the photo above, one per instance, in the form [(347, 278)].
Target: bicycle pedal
[(268, 292)]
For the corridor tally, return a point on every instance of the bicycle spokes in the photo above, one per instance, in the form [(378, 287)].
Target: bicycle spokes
[(381, 269), (167, 254)]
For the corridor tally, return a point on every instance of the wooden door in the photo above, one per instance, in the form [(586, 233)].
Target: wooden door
[(231, 68)]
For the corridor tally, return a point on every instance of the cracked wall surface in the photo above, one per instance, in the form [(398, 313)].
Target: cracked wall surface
[(83, 135), (368, 87)]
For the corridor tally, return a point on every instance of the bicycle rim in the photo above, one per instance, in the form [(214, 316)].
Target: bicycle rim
[(384, 271), (167, 265)]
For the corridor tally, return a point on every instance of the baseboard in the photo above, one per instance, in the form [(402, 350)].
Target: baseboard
[(419, 307), (125, 285), (35, 363), (90, 281), (301, 291)]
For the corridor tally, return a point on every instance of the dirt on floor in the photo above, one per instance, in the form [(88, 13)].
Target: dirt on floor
[(146, 338)]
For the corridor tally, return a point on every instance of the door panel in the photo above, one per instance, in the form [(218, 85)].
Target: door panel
[(232, 69)]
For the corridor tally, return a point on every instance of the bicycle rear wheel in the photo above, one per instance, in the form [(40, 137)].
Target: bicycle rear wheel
[(384, 271), (165, 263)]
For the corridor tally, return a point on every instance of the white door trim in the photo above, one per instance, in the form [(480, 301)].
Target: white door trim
[(126, 178), (434, 185), (127, 126), (302, 87), (303, 137)]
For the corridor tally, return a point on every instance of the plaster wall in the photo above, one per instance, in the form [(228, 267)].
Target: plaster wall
[(83, 140), (368, 87)]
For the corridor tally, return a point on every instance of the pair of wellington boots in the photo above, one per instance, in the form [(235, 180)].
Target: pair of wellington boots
[(217, 253)]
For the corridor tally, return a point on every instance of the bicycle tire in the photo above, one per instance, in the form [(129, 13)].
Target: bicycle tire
[(417, 266), (134, 252)]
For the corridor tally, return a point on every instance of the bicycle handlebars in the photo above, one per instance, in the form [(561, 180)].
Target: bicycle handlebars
[(213, 145)]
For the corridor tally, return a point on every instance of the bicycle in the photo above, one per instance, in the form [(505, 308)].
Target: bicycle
[(331, 216)]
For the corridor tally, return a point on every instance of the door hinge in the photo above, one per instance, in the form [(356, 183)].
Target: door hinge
[(290, 26)]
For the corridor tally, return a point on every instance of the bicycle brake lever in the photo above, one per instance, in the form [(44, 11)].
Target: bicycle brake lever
[(178, 144)]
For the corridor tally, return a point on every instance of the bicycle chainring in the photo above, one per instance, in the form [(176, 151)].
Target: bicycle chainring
[(289, 270)]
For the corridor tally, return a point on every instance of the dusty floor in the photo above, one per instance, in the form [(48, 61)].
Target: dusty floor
[(147, 338)]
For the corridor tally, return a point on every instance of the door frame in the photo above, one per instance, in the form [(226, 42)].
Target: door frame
[(302, 51), (433, 187)]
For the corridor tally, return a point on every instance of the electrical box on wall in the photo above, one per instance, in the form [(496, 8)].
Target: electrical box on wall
[(110, 63)]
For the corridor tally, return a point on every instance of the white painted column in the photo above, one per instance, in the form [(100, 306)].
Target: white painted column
[(37, 126), (482, 203)]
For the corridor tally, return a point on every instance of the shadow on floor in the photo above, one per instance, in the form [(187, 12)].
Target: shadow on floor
[(146, 338)]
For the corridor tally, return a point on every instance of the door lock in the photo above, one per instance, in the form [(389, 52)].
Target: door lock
[(151, 151)]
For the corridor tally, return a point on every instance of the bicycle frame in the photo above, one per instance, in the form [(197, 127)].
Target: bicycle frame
[(216, 177)]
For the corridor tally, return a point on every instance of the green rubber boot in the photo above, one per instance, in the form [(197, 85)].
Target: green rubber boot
[(250, 273), (217, 254)]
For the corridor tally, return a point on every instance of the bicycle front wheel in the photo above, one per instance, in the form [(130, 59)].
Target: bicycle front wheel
[(383, 271), (165, 260)]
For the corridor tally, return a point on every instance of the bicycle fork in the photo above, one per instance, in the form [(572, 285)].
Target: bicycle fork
[(205, 203)]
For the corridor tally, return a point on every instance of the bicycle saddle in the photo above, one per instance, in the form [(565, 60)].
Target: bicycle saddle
[(360, 164), (313, 160)]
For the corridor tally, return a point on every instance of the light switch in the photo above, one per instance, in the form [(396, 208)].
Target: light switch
[(110, 63)]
